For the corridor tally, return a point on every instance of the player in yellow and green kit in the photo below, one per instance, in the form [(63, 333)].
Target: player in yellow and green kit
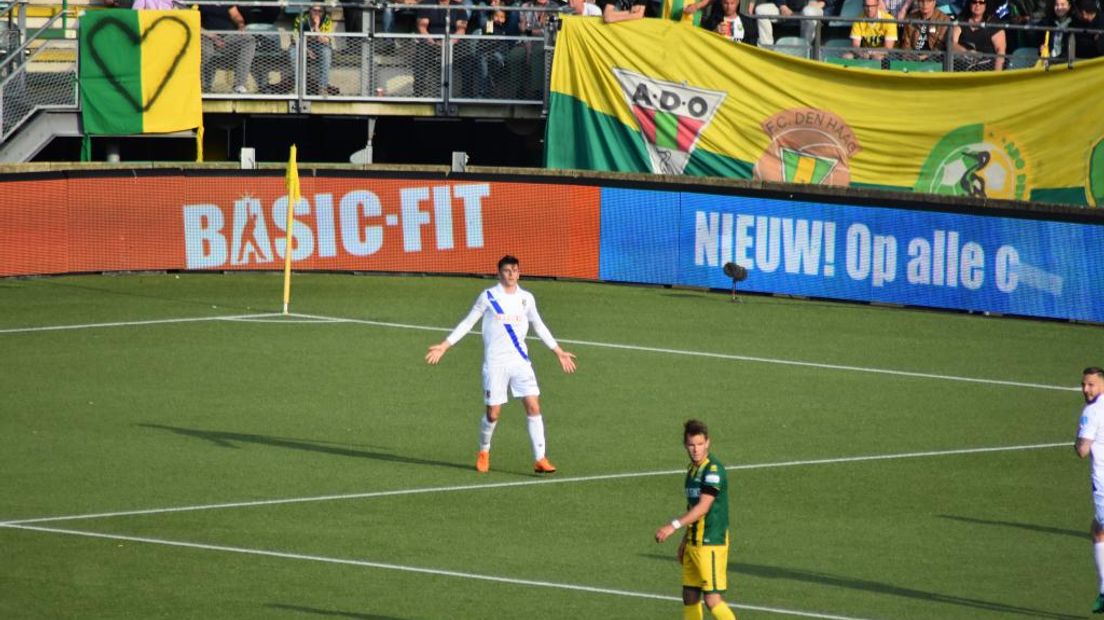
[(703, 551)]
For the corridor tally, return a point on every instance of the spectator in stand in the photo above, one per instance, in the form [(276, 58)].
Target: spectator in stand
[(483, 20), (1088, 44), (923, 38), (984, 45), (1058, 16), (433, 22), (584, 8), (869, 36), (535, 20), (490, 56), (526, 60), (788, 8), (319, 46), (614, 11), (1020, 12), (484, 67), (224, 36), (730, 24), (390, 13)]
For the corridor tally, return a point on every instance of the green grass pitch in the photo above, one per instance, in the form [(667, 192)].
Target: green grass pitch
[(294, 467)]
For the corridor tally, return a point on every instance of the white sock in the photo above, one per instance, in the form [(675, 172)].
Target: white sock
[(486, 429), (536, 435), (1098, 552)]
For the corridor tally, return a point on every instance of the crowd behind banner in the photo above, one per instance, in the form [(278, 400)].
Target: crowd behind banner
[(988, 30)]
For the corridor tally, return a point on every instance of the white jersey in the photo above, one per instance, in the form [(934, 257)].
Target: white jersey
[(506, 320), (1092, 428)]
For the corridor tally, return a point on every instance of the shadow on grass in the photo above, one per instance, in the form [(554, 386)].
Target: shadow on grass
[(851, 583), (183, 299), (231, 440), (330, 612), (1031, 527)]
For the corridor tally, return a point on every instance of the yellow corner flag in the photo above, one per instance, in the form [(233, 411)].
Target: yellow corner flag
[(293, 194)]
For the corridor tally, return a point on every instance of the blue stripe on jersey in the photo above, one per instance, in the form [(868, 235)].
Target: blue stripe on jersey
[(509, 328)]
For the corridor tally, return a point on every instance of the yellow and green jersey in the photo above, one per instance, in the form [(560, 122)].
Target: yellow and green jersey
[(709, 478)]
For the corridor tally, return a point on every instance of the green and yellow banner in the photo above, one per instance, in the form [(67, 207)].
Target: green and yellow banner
[(662, 97), (139, 71)]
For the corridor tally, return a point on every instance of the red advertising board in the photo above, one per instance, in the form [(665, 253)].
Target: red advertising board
[(178, 221)]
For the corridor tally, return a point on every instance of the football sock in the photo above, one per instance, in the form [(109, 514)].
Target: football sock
[(536, 435), (692, 612), (486, 429), (1098, 552), (720, 611)]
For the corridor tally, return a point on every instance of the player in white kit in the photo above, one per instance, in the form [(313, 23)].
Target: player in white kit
[(1090, 441), (507, 311)]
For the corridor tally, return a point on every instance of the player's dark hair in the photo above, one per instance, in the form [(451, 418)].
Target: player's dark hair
[(1087, 6), (1094, 370), (695, 427), (509, 259)]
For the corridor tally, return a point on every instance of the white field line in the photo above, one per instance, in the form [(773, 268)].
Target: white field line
[(55, 328), (608, 345), (521, 483), (740, 358), (410, 569)]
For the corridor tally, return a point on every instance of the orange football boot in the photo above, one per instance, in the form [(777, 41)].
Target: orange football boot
[(483, 462), (543, 466)]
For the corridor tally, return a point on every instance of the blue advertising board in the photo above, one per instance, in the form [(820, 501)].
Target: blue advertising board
[(863, 253)]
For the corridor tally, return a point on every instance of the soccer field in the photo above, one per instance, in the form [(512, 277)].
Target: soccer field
[(173, 447)]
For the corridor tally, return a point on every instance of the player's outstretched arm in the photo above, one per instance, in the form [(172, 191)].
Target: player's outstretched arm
[(436, 352), (567, 360)]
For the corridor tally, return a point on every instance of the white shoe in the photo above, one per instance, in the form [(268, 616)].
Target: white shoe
[(241, 90)]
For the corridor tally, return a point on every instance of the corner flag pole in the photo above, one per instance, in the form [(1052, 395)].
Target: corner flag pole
[(293, 199)]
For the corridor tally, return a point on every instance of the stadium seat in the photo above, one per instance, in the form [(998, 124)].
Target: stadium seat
[(850, 8), (834, 48), (792, 46), (1023, 58)]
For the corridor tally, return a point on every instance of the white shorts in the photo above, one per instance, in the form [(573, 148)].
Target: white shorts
[(1098, 507), (520, 378)]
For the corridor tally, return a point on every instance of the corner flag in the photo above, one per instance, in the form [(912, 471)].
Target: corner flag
[(292, 180)]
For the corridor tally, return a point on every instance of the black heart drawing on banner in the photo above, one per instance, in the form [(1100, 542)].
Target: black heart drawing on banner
[(135, 40)]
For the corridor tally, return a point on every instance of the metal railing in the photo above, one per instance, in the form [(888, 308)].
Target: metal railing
[(444, 69), (37, 74)]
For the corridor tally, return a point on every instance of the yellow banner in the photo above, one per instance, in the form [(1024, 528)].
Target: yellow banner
[(687, 101)]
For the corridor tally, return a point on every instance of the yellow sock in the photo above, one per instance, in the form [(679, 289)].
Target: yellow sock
[(720, 611), (692, 612)]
